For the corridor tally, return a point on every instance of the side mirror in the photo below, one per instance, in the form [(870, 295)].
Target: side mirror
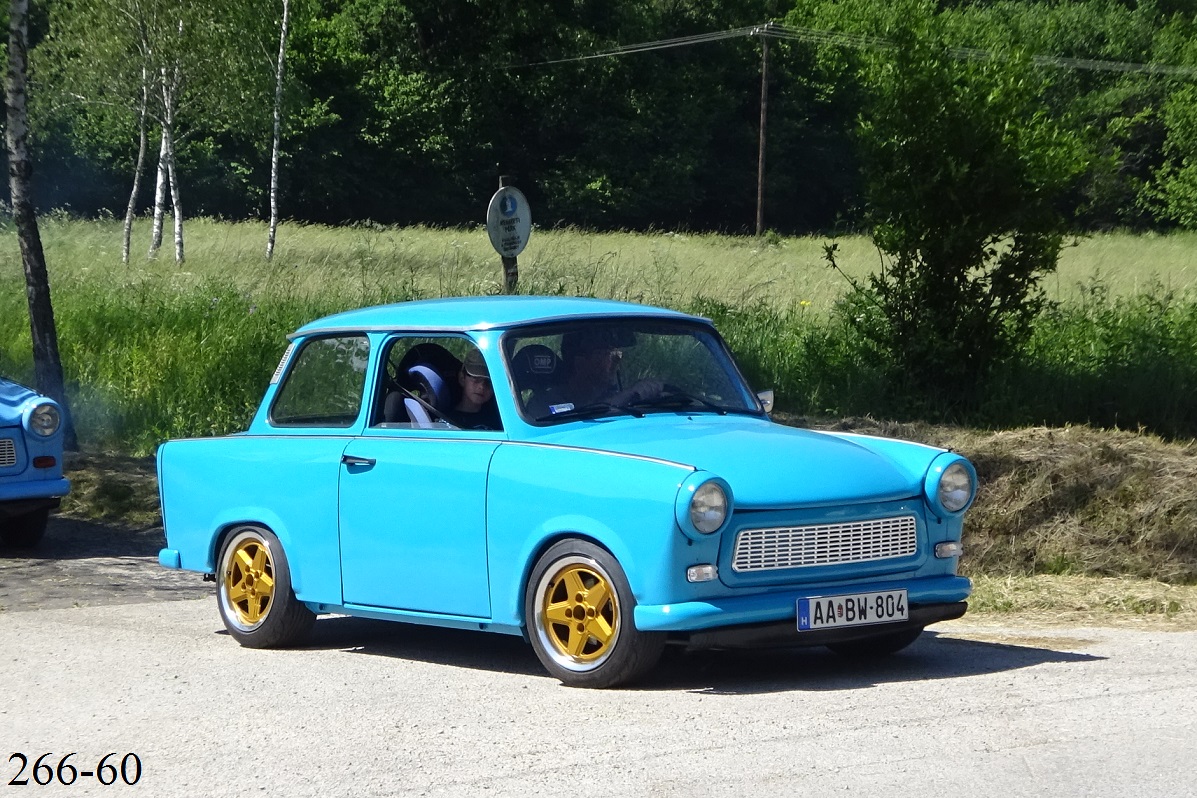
[(766, 400)]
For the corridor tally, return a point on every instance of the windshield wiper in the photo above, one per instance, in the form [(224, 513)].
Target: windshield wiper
[(681, 399), (592, 410)]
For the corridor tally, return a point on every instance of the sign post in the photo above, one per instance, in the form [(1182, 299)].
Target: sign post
[(509, 223)]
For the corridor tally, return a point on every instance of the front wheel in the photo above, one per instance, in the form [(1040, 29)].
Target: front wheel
[(578, 607), (878, 645), (24, 531), (256, 601)]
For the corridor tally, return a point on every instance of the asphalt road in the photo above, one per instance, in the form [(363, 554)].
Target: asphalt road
[(374, 708)]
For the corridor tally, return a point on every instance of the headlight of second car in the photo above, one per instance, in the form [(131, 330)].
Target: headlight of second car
[(45, 419)]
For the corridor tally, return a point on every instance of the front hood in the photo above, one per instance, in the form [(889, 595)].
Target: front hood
[(13, 397), (768, 465)]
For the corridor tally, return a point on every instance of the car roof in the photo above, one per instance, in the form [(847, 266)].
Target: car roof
[(479, 313)]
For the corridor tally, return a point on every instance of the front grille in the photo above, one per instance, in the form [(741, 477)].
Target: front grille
[(825, 544), (8, 453)]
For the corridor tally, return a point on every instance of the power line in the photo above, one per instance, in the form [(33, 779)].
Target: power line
[(862, 41), (661, 44)]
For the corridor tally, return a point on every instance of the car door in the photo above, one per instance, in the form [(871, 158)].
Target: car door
[(413, 521)]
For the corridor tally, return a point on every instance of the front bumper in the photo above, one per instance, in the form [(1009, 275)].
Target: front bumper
[(786, 633), (782, 606)]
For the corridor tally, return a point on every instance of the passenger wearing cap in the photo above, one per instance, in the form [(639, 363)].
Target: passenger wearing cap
[(477, 408)]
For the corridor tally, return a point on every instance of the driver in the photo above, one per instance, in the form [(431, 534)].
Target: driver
[(591, 361)]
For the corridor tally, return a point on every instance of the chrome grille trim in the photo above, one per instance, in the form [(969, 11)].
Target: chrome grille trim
[(8, 453), (825, 544)]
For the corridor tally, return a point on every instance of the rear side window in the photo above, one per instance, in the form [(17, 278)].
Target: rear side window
[(324, 386)]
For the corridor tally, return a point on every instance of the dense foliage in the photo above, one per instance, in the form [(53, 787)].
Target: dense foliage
[(407, 111)]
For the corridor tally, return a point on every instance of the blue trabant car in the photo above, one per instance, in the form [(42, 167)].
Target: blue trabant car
[(31, 480), (595, 476)]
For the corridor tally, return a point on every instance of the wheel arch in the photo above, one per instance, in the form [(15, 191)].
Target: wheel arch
[(275, 527), (539, 551)]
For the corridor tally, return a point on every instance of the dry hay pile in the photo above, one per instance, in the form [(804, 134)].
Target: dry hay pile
[(1069, 500), (1077, 500)]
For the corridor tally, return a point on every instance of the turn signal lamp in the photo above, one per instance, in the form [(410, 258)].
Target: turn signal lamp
[(950, 549)]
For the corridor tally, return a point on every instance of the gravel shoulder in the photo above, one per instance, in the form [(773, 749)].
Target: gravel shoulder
[(89, 564)]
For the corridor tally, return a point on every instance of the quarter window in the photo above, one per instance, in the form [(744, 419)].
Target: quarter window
[(324, 386)]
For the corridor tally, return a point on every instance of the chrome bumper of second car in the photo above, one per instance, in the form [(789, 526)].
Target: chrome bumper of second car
[(782, 605)]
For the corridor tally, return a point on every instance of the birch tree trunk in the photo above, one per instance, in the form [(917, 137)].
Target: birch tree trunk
[(175, 202), (278, 127), (170, 99), (47, 364), (142, 145), (159, 199)]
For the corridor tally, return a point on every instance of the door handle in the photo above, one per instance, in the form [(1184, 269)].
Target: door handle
[(350, 460)]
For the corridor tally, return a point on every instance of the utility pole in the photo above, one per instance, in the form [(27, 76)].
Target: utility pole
[(760, 163)]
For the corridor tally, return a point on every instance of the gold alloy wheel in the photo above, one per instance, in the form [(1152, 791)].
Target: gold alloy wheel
[(579, 613), (249, 580)]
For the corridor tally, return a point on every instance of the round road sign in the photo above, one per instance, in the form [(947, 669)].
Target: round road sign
[(508, 221)]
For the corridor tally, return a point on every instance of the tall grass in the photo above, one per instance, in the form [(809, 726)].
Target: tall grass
[(151, 361), (1110, 361), (152, 350)]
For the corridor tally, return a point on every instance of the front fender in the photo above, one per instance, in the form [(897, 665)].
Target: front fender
[(538, 494)]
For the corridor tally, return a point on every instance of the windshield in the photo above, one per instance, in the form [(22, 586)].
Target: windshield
[(633, 366)]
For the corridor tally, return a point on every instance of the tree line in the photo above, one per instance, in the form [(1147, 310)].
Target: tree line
[(407, 112)]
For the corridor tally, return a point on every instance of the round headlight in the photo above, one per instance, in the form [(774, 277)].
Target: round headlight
[(45, 419), (955, 488), (708, 508)]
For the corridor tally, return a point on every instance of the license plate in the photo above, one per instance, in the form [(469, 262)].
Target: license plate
[(855, 609)]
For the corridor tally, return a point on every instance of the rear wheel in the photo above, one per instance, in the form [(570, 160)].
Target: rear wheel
[(578, 607), (24, 531), (256, 601), (877, 645)]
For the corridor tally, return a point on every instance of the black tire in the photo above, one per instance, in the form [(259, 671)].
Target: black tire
[(254, 592), (24, 531), (579, 611), (878, 645)]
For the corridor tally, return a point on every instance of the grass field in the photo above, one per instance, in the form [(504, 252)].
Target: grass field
[(144, 340), (364, 261), (155, 350)]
